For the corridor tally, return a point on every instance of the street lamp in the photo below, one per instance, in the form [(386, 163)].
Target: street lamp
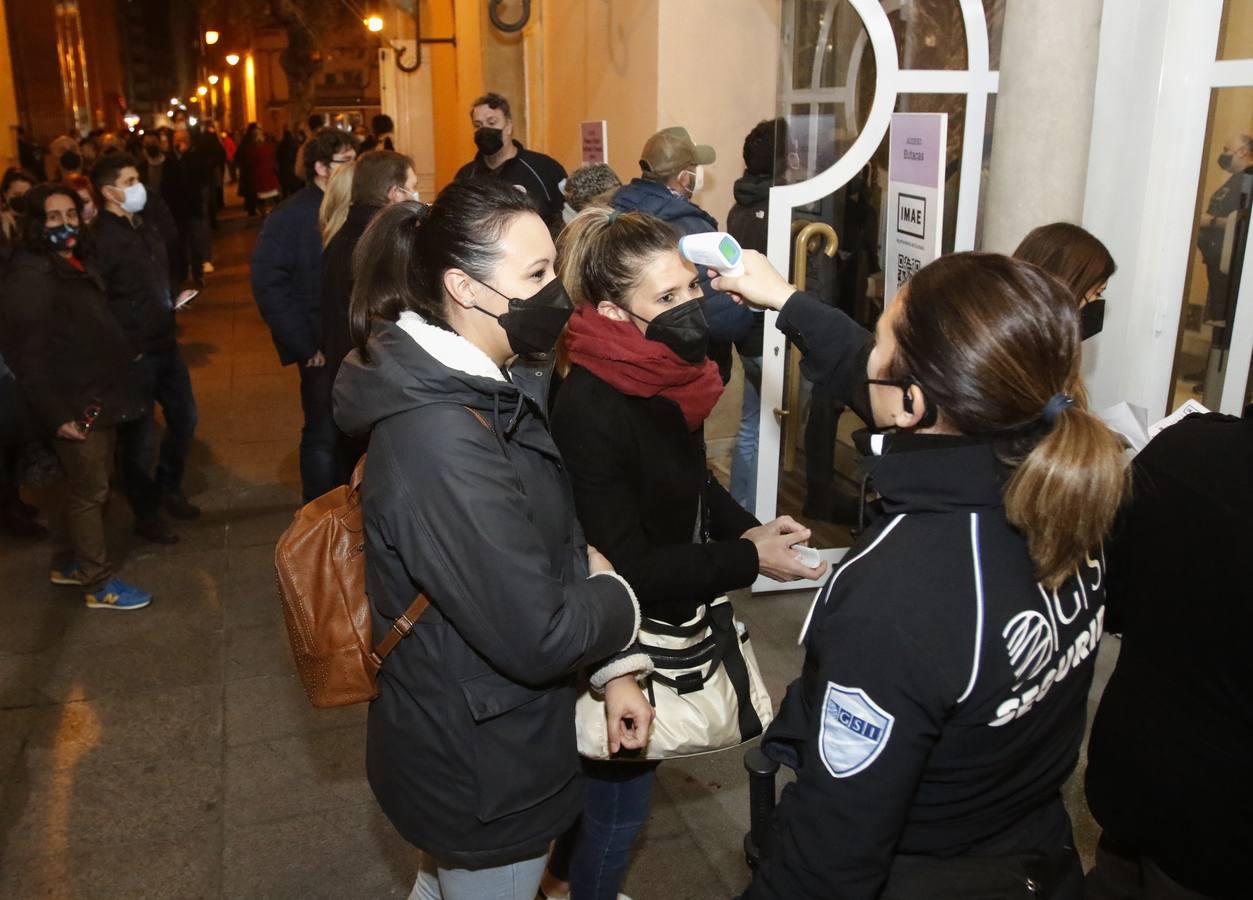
[(232, 59), (202, 90), (213, 79), (373, 23), (211, 37)]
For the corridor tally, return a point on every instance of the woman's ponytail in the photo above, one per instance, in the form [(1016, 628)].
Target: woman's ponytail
[(1066, 491), (995, 344), (602, 253)]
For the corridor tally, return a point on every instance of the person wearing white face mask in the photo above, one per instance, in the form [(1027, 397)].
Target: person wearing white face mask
[(672, 175), (134, 266)]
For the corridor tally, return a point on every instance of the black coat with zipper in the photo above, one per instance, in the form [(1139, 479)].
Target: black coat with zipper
[(471, 748), (135, 268), (64, 345), (640, 482)]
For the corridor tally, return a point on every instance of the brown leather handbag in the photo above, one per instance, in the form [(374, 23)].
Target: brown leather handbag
[(320, 563)]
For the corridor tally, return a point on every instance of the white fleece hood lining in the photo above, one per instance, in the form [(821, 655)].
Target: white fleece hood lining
[(448, 347)]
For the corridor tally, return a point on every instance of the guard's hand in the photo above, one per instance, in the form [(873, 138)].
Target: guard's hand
[(628, 714), (761, 285), (316, 361), (597, 563), (71, 431)]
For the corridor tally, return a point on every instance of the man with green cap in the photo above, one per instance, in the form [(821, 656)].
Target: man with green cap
[(672, 173)]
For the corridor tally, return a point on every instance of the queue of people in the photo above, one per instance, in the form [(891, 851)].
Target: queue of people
[(533, 414)]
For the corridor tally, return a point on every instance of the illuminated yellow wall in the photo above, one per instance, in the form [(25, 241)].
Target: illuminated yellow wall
[(8, 99)]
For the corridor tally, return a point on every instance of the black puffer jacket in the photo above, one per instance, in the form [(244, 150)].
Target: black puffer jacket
[(471, 744), (64, 345)]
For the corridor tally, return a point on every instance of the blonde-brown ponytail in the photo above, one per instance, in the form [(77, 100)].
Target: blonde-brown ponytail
[(601, 253), (994, 343)]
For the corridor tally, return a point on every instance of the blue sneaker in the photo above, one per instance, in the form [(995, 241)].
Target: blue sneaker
[(68, 574), (117, 594)]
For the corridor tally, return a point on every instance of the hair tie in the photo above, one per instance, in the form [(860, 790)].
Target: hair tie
[(613, 216), (1054, 408)]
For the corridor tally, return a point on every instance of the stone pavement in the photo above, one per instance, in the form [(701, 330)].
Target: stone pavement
[(170, 752)]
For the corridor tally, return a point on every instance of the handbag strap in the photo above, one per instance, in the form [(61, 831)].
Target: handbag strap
[(403, 624)]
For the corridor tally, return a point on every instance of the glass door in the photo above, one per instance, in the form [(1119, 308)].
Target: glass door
[(847, 66)]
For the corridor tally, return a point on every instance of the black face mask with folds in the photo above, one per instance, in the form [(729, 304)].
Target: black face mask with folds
[(859, 397), (683, 329), (1091, 318), (1224, 161), (489, 140), (534, 324)]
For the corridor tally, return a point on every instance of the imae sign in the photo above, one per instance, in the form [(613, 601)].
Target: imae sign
[(918, 144)]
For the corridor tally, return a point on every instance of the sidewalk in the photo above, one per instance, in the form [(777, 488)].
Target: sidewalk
[(170, 752)]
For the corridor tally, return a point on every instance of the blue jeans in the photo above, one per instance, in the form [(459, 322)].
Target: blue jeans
[(321, 461), (516, 881), (169, 384), (614, 810), (744, 460)]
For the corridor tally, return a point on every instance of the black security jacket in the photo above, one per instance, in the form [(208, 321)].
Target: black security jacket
[(534, 172), (640, 480), (1172, 741), (133, 264), (942, 700), (471, 747)]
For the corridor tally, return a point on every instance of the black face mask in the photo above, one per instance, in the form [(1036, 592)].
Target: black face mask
[(534, 324), (1224, 161), (859, 399), (17, 204), (489, 140), (1092, 318), (152, 151), (70, 160), (683, 329)]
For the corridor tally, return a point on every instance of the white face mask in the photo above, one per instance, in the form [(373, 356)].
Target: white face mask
[(135, 199), (698, 180)]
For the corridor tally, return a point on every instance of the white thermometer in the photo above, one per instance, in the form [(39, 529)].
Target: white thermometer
[(713, 250)]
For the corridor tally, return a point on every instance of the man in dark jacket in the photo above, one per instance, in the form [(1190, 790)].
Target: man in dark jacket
[(185, 182), (672, 173), (74, 365), (286, 284), (1168, 762), (500, 156), (133, 264)]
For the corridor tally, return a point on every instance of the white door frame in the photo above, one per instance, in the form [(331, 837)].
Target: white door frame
[(976, 82), (1155, 76)]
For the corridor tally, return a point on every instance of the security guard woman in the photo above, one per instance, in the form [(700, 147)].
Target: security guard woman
[(941, 705)]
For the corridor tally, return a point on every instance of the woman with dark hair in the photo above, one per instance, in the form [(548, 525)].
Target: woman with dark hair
[(629, 420), (470, 747), (13, 186), (73, 363), (948, 659), (1080, 261)]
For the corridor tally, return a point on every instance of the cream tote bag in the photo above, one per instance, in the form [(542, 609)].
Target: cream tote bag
[(706, 689)]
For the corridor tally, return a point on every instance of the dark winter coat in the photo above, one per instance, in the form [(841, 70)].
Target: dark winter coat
[(64, 345), (286, 275), (749, 223), (537, 173), (337, 284), (640, 482), (943, 697), (133, 263), (470, 745), (728, 320), (1168, 763)]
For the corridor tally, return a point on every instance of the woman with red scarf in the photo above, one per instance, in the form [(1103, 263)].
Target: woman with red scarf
[(629, 422)]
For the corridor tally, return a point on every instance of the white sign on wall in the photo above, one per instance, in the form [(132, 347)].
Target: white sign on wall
[(918, 143), (595, 141)]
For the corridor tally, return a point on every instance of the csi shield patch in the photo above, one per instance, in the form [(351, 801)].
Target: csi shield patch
[(854, 730)]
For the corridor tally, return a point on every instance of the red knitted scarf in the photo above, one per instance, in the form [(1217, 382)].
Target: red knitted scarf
[(616, 353)]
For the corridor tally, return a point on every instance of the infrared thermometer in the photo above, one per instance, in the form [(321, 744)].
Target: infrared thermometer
[(713, 250)]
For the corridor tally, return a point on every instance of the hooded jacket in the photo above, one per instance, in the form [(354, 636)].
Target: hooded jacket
[(943, 697), (470, 745)]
